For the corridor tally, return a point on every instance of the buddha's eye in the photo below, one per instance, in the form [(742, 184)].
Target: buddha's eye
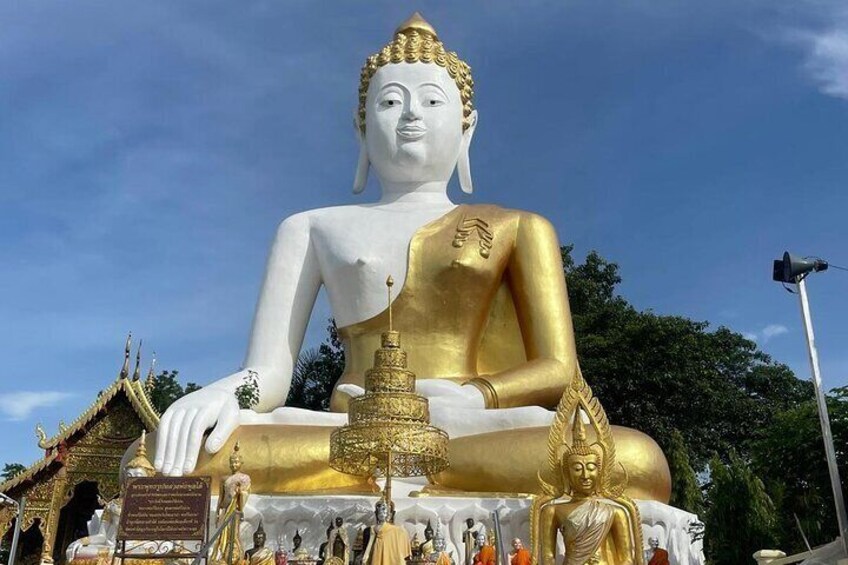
[(390, 103)]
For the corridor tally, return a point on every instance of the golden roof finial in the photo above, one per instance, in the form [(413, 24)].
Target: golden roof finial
[(137, 370), (125, 370), (40, 433), (417, 22), (150, 381)]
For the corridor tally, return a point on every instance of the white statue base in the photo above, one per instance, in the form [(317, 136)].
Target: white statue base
[(311, 515)]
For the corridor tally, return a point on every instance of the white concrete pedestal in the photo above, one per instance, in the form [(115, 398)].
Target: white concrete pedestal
[(311, 515)]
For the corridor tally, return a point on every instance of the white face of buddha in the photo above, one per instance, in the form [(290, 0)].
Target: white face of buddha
[(413, 123)]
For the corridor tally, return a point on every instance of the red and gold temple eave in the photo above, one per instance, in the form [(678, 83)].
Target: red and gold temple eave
[(134, 391)]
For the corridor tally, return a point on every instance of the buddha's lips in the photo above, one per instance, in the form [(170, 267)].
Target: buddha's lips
[(411, 132)]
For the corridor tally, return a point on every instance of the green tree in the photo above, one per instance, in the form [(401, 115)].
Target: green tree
[(791, 460), (740, 517), (685, 491), (10, 470), (659, 373), (167, 388), (316, 373)]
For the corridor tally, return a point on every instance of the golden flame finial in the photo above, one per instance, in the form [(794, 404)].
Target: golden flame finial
[(417, 22)]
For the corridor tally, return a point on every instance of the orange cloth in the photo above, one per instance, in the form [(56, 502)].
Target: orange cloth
[(486, 556), (521, 557), (660, 557)]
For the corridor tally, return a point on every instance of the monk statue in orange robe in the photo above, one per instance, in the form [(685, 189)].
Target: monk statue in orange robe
[(520, 554), (485, 551)]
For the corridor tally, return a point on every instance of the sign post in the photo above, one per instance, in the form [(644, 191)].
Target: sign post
[(163, 518)]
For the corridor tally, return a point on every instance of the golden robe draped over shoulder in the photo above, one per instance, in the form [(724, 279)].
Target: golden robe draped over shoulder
[(484, 301)]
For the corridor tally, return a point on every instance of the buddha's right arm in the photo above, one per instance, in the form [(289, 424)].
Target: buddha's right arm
[(291, 283), (548, 531)]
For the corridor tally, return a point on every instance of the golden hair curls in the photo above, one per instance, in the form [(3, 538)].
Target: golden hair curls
[(416, 41)]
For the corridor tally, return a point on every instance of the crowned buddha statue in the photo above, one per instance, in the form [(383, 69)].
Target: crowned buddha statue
[(483, 305), (598, 524)]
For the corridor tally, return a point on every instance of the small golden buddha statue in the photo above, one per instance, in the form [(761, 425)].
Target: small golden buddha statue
[(585, 502), (232, 498)]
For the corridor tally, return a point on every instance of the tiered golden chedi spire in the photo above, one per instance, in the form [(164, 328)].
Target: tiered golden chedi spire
[(389, 431)]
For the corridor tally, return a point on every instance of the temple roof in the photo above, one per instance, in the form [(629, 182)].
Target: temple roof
[(132, 388)]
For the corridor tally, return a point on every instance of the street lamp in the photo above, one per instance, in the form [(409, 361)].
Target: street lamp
[(19, 511), (792, 269)]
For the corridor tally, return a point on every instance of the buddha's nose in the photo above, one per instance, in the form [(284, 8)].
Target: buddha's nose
[(412, 111)]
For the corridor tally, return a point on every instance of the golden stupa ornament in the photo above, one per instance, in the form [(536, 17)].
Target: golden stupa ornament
[(388, 432)]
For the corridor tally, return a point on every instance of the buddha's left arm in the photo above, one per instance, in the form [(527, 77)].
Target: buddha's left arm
[(537, 283)]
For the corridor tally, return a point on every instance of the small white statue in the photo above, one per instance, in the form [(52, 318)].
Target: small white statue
[(100, 545)]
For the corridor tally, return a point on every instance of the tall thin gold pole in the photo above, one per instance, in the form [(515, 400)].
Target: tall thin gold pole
[(389, 284), (388, 488)]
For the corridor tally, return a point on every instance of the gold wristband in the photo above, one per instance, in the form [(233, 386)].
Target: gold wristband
[(489, 392)]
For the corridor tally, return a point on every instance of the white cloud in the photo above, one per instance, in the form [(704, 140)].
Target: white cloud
[(827, 59), (825, 47), (17, 406), (773, 330), (768, 332)]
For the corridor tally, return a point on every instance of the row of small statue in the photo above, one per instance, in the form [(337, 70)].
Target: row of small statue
[(385, 544)]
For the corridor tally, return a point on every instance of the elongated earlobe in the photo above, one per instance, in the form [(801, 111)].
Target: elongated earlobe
[(463, 164), (361, 177)]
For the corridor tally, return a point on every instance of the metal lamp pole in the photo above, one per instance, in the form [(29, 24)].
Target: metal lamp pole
[(824, 419), (19, 508)]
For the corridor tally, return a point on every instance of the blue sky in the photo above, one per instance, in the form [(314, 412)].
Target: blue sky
[(148, 150)]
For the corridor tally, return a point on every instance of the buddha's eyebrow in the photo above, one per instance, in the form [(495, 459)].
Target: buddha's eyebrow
[(437, 86), (394, 85)]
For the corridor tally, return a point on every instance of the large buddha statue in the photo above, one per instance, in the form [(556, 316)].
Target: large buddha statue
[(483, 308)]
